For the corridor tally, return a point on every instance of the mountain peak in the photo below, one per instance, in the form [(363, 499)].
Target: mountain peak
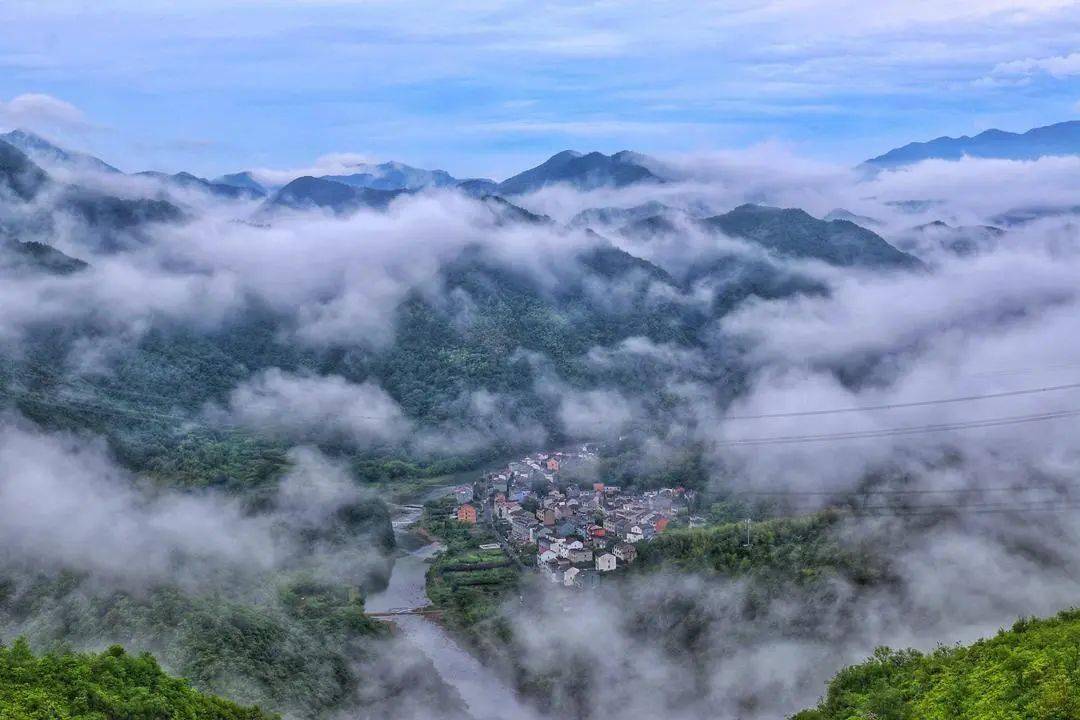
[(243, 180), (44, 152), (28, 137), (793, 232), (311, 192), (393, 175), (582, 171)]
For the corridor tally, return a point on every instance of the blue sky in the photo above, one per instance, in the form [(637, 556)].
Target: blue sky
[(489, 87)]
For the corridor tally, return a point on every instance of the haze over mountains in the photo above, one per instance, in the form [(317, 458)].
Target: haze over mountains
[(841, 238), (790, 233), (46, 153), (227, 369), (577, 170), (580, 171), (425, 367)]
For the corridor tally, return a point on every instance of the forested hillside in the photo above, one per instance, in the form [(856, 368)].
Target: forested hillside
[(479, 356), (303, 653), (70, 686), (1026, 672), (800, 550)]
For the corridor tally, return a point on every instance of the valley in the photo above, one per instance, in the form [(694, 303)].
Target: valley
[(363, 439)]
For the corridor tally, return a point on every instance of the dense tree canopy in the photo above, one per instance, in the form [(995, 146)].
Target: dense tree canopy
[(1030, 671), (109, 686)]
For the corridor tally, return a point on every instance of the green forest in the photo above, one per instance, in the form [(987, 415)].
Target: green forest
[(800, 550), (112, 685), (1028, 672), (303, 650)]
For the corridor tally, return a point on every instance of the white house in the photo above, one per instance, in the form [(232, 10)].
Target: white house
[(605, 562), (546, 556), (569, 576), (565, 548)]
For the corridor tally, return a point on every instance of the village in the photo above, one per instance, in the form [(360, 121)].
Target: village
[(573, 532)]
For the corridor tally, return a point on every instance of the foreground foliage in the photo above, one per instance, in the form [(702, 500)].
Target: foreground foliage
[(69, 686), (1029, 671), (303, 653)]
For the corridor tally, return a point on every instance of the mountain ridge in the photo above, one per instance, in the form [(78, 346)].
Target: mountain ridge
[(583, 171), (1048, 140), (45, 152)]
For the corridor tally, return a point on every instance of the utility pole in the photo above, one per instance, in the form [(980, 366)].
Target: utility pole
[(747, 544)]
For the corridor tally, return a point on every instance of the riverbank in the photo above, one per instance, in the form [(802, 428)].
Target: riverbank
[(484, 692)]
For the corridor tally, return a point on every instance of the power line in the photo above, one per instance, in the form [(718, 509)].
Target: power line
[(1026, 371), (89, 405), (869, 493), (919, 403), (901, 431), (930, 512), (1008, 504)]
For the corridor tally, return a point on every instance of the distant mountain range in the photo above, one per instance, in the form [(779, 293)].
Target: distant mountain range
[(115, 220), (192, 182), (1058, 139), (45, 153), (841, 239), (53, 157), (576, 170), (580, 171)]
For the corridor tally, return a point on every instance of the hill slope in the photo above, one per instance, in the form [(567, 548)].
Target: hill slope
[(311, 192), (794, 233), (110, 685), (19, 176), (46, 153), (37, 256), (1029, 671)]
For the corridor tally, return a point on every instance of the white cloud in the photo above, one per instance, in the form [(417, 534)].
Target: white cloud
[(323, 408), (342, 163), (38, 111), (1059, 67)]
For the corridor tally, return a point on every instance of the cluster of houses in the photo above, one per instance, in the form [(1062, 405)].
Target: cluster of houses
[(579, 533)]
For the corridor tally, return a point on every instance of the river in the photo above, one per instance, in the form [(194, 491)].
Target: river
[(485, 694)]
